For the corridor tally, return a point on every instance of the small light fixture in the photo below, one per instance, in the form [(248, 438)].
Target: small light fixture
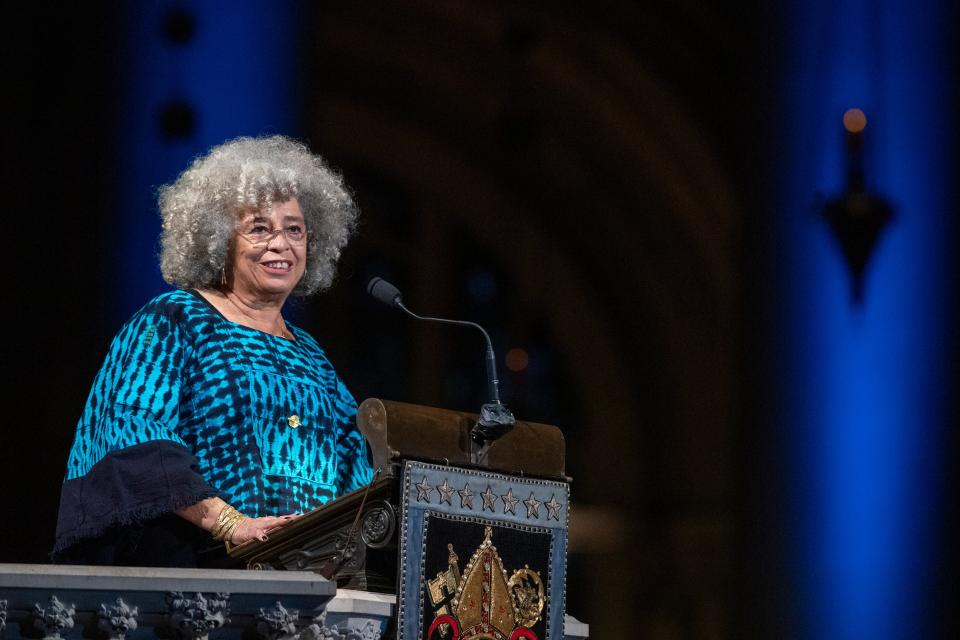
[(856, 217)]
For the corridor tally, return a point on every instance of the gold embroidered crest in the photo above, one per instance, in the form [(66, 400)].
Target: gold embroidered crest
[(483, 603)]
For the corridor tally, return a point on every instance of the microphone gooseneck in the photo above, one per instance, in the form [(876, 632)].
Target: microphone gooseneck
[(493, 383), (495, 419)]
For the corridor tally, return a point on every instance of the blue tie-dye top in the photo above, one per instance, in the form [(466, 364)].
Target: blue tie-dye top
[(269, 423)]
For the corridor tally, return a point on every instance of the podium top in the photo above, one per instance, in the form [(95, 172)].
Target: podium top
[(397, 430)]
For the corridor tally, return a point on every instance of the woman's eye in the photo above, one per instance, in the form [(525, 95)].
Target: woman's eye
[(259, 228), (295, 229)]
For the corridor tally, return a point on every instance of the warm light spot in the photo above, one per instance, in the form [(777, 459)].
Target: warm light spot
[(517, 360), (854, 120)]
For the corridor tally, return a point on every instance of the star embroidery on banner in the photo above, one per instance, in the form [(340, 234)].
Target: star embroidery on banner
[(533, 506), (510, 502), (466, 497), (423, 491), (489, 497), (446, 492), (553, 508)]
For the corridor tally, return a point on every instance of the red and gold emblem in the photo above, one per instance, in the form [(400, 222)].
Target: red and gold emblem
[(483, 603)]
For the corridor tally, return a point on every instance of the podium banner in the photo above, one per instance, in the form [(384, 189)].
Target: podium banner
[(482, 555)]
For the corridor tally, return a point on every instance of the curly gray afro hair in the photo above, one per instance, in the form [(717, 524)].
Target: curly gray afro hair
[(200, 209)]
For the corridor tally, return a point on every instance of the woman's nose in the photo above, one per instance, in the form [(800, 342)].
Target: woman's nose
[(278, 241)]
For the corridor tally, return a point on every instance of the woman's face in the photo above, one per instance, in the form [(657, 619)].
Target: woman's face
[(270, 251)]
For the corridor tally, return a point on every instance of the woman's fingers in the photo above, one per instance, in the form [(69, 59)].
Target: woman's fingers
[(259, 528), (272, 522)]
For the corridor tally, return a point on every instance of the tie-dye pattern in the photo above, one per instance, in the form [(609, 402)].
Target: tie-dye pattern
[(180, 372)]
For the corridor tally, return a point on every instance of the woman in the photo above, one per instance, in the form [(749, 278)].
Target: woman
[(212, 416)]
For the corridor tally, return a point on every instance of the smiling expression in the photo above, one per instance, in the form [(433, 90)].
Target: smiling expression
[(273, 267)]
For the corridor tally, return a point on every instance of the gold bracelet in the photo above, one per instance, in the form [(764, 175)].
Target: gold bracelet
[(226, 514), (227, 525), (228, 532), (226, 522), (222, 520), (219, 528)]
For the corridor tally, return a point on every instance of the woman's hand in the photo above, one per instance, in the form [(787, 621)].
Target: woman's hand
[(204, 514), (258, 528)]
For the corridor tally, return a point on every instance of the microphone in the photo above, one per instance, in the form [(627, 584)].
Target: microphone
[(384, 292), (495, 419)]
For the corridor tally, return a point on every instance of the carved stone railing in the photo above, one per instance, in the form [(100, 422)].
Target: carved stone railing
[(60, 602)]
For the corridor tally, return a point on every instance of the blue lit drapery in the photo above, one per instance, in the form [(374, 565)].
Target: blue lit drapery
[(863, 386)]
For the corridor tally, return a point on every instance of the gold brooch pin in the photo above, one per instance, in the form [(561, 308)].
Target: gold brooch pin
[(294, 421)]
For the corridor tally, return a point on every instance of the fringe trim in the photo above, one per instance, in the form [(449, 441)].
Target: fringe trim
[(130, 516)]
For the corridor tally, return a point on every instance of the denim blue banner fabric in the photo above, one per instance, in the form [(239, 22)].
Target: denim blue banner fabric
[(481, 553)]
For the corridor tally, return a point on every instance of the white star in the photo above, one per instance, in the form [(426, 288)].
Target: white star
[(489, 497), (533, 506), (466, 497), (423, 491), (446, 492), (509, 502), (553, 508)]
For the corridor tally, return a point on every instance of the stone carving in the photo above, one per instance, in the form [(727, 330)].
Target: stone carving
[(194, 618), (277, 623), (115, 620), (3, 616), (54, 619), (319, 630)]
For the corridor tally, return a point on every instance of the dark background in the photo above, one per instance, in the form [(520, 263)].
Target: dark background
[(592, 184)]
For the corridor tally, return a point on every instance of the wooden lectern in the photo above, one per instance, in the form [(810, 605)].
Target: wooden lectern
[(471, 536)]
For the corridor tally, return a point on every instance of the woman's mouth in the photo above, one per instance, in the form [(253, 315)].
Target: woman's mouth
[(278, 266)]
